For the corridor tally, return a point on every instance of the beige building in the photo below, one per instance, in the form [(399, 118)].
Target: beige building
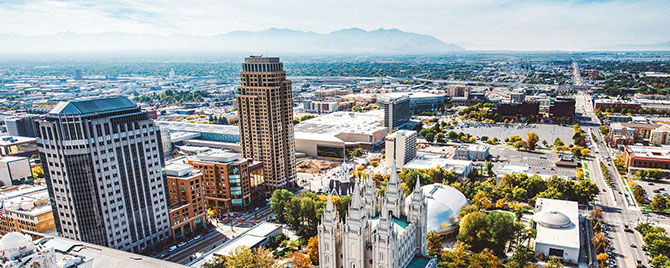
[(27, 210), (661, 135), (266, 119)]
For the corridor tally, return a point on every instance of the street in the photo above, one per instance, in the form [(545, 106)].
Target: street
[(620, 210)]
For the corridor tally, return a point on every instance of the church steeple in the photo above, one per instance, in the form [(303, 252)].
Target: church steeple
[(394, 195)]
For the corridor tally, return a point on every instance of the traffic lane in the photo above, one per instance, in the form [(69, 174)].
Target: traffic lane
[(203, 243)]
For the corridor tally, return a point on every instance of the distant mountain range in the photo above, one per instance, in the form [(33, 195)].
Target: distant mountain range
[(273, 40), (636, 47)]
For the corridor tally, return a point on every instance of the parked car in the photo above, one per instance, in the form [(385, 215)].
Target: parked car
[(172, 248)]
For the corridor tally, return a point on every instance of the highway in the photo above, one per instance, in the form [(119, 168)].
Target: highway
[(617, 203)]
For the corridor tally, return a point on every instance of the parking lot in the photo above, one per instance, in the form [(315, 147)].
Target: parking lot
[(501, 131), (654, 188)]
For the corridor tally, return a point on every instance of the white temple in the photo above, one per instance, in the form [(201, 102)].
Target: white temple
[(379, 231)]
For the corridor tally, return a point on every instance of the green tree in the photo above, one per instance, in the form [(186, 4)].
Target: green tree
[(430, 137), (434, 243), (659, 203), (553, 263), (452, 135), (440, 137), (278, 202)]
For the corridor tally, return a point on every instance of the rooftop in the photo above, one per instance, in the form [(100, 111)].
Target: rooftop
[(558, 222), (102, 257), (199, 128), (217, 156), (93, 106), (443, 204), (329, 126), (659, 153), (11, 140)]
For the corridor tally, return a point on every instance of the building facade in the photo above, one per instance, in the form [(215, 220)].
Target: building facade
[(14, 170), (27, 210), (396, 110), (187, 199), (400, 148), (660, 135), (230, 183), (22, 125), (266, 119), (392, 237), (643, 157), (475, 152), (103, 163)]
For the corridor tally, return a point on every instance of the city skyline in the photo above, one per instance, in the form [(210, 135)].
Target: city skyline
[(482, 24)]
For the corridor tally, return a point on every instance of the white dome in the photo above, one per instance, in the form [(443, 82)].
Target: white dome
[(443, 203), (14, 240), (552, 219)]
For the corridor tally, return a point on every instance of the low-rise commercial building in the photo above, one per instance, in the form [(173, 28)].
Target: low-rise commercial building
[(14, 170), (461, 168), (475, 152), (526, 110), (27, 210), (629, 133), (320, 106), (615, 104), (645, 157), (400, 147), (231, 183), (257, 236), (557, 223), (187, 199), (18, 146), (329, 135)]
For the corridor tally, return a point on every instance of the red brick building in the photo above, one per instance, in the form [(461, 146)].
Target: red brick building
[(186, 198), (644, 157)]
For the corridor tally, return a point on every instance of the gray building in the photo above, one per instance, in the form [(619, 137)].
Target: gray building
[(103, 163), (22, 125), (396, 110), (475, 152)]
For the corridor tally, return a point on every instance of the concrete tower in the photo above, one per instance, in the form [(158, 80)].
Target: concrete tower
[(266, 119)]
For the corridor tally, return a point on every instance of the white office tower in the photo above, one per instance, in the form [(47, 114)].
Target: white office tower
[(400, 148), (384, 238), (103, 163)]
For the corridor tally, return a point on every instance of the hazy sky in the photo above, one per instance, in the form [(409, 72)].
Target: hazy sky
[(490, 24)]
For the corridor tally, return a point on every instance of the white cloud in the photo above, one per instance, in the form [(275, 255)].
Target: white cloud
[(494, 24)]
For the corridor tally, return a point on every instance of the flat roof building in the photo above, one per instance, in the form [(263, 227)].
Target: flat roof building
[(475, 152), (27, 210), (426, 161), (328, 135), (647, 157), (400, 147), (557, 223), (14, 170), (187, 199), (230, 183)]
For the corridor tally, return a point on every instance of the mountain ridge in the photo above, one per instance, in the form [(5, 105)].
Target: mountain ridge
[(272, 40)]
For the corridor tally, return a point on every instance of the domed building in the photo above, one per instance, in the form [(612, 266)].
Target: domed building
[(443, 203), (18, 250), (557, 223)]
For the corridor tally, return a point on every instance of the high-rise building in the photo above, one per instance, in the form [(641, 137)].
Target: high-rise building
[(187, 199), (103, 163), (266, 119), (400, 148), (396, 110), (231, 184), (21, 125)]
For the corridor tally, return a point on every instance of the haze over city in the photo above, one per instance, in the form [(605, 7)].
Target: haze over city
[(480, 24)]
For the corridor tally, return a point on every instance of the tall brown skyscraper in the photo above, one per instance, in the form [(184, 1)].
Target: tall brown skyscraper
[(266, 119)]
